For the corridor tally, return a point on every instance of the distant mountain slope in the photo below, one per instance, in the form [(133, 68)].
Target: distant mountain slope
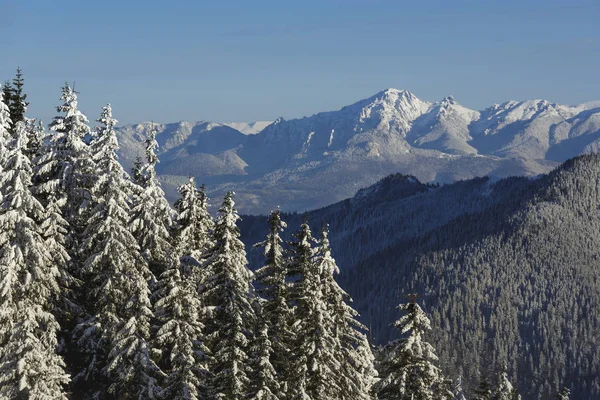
[(248, 128), (508, 269), (314, 161)]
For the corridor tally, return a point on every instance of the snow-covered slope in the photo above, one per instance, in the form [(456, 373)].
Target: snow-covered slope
[(313, 161), (248, 128)]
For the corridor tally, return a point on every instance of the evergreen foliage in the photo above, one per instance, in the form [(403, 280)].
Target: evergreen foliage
[(194, 224), (65, 170), (353, 360), (407, 369), (29, 287), (18, 100), (564, 394), (272, 286), (314, 361), (504, 389), (180, 335), (228, 292), (116, 334), (151, 219)]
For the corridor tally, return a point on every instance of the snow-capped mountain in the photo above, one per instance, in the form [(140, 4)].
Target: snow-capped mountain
[(314, 161)]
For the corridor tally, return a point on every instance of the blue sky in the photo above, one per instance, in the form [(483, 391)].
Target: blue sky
[(256, 60)]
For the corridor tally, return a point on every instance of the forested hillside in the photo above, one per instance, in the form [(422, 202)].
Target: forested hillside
[(507, 269)]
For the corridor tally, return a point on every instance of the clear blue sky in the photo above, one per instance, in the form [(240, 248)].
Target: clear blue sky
[(249, 60)]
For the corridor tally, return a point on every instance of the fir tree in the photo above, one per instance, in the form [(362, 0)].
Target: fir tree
[(272, 286), (8, 93), (265, 384), (137, 172), (5, 135), (65, 169), (313, 360), (564, 394), (483, 390), (228, 292), (504, 389), (35, 131), (355, 373), (115, 336), (457, 390), (18, 103), (194, 227), (408, 370), (179, 337), (29, 286), (151, 220)]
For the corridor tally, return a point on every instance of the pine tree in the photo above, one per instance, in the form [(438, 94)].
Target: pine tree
[(504, 389), (355, 375), (65, 169), (272, 286), (265, 385), (8, 93), (195, 226), (179, 338), (300, 268), (35, 131), (29, 286), (18, 104), (5, 125), (564, 394), (408, 370), (152, 215), (228, 292), (137, 171), (483, 391), (313, 360), (457, 390), (115, 335)]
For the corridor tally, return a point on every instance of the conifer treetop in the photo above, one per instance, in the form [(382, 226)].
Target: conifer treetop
[(73, 121)]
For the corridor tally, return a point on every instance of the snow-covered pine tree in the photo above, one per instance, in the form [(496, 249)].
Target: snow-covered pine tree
[(179, 337), (5, 125), (564, 394), (265, 384), (457, 390), (152, 216), (35, 131), (228, 292), (272, 286), (408, 370), (504, 389), (483, 390), (195, 226), (137, 174), (356, 373), (65, 169), (313, 361), (444, 389), (29, 364), (7, 95), (115, 336), (300, 270)]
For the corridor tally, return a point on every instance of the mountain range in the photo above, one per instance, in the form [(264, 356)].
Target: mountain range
[(306, 163)]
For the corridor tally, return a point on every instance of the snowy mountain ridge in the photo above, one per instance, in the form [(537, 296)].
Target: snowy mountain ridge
[(313, 161)]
